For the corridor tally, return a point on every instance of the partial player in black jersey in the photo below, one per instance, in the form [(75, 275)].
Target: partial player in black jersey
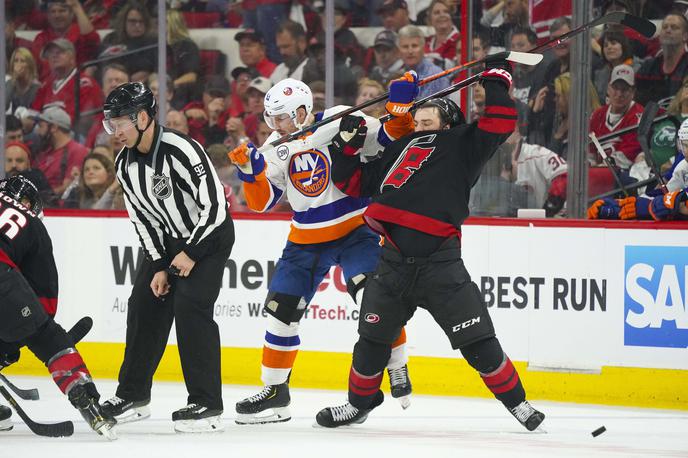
[(420, 187), (28, 288)]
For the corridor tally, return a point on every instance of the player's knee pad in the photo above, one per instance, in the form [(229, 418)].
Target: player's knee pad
[(485, 355), (285, 307), (370, 357), (355, 286), (48, 341)]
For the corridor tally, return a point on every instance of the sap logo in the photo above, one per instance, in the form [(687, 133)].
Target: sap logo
[(465, 324), (655, 296)]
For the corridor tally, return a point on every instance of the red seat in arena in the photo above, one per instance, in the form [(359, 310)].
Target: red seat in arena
[(196, 20), (213, 62)]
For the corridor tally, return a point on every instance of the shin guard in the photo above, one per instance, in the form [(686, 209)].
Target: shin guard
[(69, 370)]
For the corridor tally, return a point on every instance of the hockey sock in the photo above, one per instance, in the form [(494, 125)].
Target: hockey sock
[(399, 356), (279, 351), (497, 371), (68, 370), (365, 376)]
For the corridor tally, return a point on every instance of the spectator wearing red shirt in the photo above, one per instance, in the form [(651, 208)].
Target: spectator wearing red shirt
[(206, 118), (113, 75), (252, 52), (441, 45), (62, 157), (660, 77), (58, 88), (619, 113), (61, 24)]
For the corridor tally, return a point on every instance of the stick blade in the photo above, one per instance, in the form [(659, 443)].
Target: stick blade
[(525, 58), (640, 25)]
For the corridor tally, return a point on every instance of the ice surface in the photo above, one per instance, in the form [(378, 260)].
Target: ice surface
[(432, 427)]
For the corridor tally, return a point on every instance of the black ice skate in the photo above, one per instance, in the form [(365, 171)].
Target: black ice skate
[(87, 404), (197, 419), (126, 411), (400, 385), (332, 417), (5, 418), (269, 406), (527, 415)]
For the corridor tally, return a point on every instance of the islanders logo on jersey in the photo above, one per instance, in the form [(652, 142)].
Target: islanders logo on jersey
[(309, 172)]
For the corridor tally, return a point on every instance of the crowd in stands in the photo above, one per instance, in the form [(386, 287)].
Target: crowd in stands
[(54, 90)]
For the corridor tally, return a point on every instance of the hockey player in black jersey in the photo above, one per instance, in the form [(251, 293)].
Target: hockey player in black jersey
[(420, 187), (28, 288)]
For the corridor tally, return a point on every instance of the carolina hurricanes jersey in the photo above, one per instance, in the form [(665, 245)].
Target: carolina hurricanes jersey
[(26, 246), (536, 168), (623, 148), (301, 170)]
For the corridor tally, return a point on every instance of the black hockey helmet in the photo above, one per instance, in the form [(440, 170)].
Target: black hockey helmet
[(129, 99), (450, 114), (23, 191)]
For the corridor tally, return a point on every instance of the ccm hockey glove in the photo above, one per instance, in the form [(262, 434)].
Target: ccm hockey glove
[(248, 160), (351, 136), (498, 70), (402, 92), (666, 206)]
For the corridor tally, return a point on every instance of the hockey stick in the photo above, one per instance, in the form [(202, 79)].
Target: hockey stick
[(513, 56), (76, 333), (607, 162), (62, 429), (640, 25), (636, 185), (30, 394), (644, 128)]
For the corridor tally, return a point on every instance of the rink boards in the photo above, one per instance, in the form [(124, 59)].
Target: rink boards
[(590, 313)]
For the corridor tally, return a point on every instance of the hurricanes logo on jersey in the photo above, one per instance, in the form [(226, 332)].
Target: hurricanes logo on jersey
[(309, 172), (416, 153)]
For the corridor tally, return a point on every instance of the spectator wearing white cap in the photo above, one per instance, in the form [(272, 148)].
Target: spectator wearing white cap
[(620, 112), (61, 157)]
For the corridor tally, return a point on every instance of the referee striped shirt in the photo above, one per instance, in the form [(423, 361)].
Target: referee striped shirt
[(173, 191)]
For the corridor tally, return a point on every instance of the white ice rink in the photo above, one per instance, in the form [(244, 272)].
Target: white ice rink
[(431, 427)]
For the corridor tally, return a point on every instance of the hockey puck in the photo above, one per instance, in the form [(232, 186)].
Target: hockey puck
[(598, 431)]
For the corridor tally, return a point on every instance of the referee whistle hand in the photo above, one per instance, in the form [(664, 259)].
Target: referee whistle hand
[(183, 263), (159, 285)]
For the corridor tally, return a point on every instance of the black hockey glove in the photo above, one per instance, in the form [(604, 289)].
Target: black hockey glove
[(351, 136), (498, 70), (9, 354), (553, 205)]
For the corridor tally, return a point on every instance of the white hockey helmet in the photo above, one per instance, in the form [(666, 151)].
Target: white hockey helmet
[(284, 98), (682, 138)]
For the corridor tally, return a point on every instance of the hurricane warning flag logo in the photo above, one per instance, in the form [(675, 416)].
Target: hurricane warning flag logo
[(309, 172)]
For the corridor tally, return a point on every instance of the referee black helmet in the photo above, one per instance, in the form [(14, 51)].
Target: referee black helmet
[(129, 99), (450, 114)]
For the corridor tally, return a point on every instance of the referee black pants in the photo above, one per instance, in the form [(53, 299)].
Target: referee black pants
[(190, 303)]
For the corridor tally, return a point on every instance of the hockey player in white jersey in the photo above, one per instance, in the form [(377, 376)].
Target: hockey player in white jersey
[(327, 228), (655, 205)]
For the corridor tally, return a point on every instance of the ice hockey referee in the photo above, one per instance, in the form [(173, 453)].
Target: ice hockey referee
[(176, 202)]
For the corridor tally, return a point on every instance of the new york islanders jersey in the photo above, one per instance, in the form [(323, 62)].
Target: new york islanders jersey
[(623, 148), (536, 168), (301, 170)]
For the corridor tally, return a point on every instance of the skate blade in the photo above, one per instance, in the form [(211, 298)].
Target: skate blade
[(203, 425), (274, 415), (106, 430), (135, 414), (405, 401), (345, 426)]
